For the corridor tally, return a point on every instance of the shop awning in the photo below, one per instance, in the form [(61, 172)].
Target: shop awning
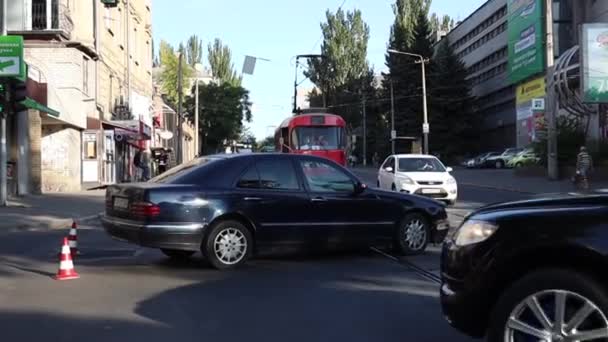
[(33, 104)]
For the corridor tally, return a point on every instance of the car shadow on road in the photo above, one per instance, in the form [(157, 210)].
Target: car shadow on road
[(359, 299)]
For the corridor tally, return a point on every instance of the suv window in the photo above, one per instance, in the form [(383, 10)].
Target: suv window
[(277, 174), (323, 177), (250, 179)]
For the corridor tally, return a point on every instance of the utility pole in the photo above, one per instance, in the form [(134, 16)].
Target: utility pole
[(551, 103), (425, 125), (3, 114), (393, 133), (179, 118), (364, 133), (196, 132)]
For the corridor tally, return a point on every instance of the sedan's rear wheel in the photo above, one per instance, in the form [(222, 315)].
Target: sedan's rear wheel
[(413, 234), (177, 254), (228, 245), (551, 305)]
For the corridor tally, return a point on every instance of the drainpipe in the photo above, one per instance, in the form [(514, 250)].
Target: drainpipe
[(101, 141)]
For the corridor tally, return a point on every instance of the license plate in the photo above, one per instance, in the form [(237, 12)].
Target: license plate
[(431, 191), (121, 203)]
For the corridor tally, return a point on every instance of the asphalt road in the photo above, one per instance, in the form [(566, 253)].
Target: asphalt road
[(127, 293)]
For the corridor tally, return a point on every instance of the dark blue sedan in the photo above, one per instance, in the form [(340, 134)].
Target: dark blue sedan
[(231, 207)]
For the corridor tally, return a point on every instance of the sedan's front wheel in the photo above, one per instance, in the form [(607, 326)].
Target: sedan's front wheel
[(413, 234), (228, 245), (551, 305)]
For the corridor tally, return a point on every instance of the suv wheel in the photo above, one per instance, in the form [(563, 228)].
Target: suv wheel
[(228, 245), (413, 235), (551, 305)]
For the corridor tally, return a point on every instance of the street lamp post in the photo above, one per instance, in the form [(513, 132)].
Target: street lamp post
[(425, 125)]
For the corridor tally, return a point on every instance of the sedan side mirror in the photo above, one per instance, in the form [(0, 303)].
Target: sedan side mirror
[(388, 169), (449, 169), (360, 187)]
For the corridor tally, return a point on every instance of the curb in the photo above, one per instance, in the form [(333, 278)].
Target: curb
[(54, 224), (497, 188)]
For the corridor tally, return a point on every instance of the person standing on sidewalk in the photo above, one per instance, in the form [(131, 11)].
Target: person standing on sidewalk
[(584, 165), (146, 159)]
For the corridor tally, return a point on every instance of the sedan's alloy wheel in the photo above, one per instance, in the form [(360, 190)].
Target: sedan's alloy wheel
[(415, 234), (556, 316), (230, 246)]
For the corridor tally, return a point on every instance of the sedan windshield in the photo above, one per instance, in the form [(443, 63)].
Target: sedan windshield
[(317, 138), (420, 165)]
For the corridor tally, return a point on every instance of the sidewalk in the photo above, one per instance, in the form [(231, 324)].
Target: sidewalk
[(51, 211), (506, 180)]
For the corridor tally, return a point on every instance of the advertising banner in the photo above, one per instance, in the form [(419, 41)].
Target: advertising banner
[(525, 34), (595, 63), (529, 114)]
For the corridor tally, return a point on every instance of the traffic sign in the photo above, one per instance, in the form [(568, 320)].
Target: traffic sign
[(425, 128), (393, 134), (11, 56)]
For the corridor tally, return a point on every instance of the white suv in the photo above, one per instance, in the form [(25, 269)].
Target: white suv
[(420, 175)]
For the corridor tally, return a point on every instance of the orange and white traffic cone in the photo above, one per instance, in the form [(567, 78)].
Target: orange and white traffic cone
[(66, 266), (73, 239)]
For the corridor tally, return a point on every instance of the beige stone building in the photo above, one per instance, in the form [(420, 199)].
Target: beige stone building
[(90, 70)]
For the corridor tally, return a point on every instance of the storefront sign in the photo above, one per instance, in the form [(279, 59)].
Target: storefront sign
[(528, 91), (595, 63), (11, 56), (525, 34)]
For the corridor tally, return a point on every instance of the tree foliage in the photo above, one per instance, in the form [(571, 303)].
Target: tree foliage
[(344, 47), (169, 63), (454, 124), (194, 50), (220, 60), (225, 107)]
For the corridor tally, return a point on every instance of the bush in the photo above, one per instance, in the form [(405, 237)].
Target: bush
[(570, 137)]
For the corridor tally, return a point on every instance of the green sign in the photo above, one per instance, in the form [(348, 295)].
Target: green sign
[(595, 63), (526, 39), (11, 56)]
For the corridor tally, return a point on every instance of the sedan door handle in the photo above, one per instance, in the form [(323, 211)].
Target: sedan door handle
[(318, 200), (252, 199)]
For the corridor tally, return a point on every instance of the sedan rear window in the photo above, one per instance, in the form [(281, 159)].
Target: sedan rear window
[(180, 173)]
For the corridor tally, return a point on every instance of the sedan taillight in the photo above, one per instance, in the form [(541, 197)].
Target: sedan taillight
[(144, 209)]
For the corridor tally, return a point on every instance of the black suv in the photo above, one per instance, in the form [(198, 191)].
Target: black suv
[(530, 271)]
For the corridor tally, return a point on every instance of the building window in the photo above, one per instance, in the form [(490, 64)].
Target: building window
[(85, 75)]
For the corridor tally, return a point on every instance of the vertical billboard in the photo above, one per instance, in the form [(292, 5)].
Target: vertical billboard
[(595, 63), (525, 33), (529, 99)]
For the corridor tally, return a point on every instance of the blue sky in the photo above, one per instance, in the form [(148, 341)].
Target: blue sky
[(277, 30)]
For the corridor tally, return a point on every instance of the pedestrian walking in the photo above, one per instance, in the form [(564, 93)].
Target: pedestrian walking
[(137, 163), (146, 160), (584, 165)]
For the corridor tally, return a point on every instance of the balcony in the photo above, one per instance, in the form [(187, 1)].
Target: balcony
[(39, 18)]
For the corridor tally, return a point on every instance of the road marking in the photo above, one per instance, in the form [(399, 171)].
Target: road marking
[(416, 269)]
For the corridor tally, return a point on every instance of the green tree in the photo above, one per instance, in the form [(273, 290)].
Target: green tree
[(410, 33), (220, 60), (226, 107), (169, 63), (454, 124), (344, 47), (194, 50)]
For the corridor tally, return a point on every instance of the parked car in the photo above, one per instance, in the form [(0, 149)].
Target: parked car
[(523, 158), (501, 160), (232, 206), (418, 174), (530, 271), (478, 161)]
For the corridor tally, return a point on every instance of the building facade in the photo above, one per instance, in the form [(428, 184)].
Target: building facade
[(508, 106), (88, 66)]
